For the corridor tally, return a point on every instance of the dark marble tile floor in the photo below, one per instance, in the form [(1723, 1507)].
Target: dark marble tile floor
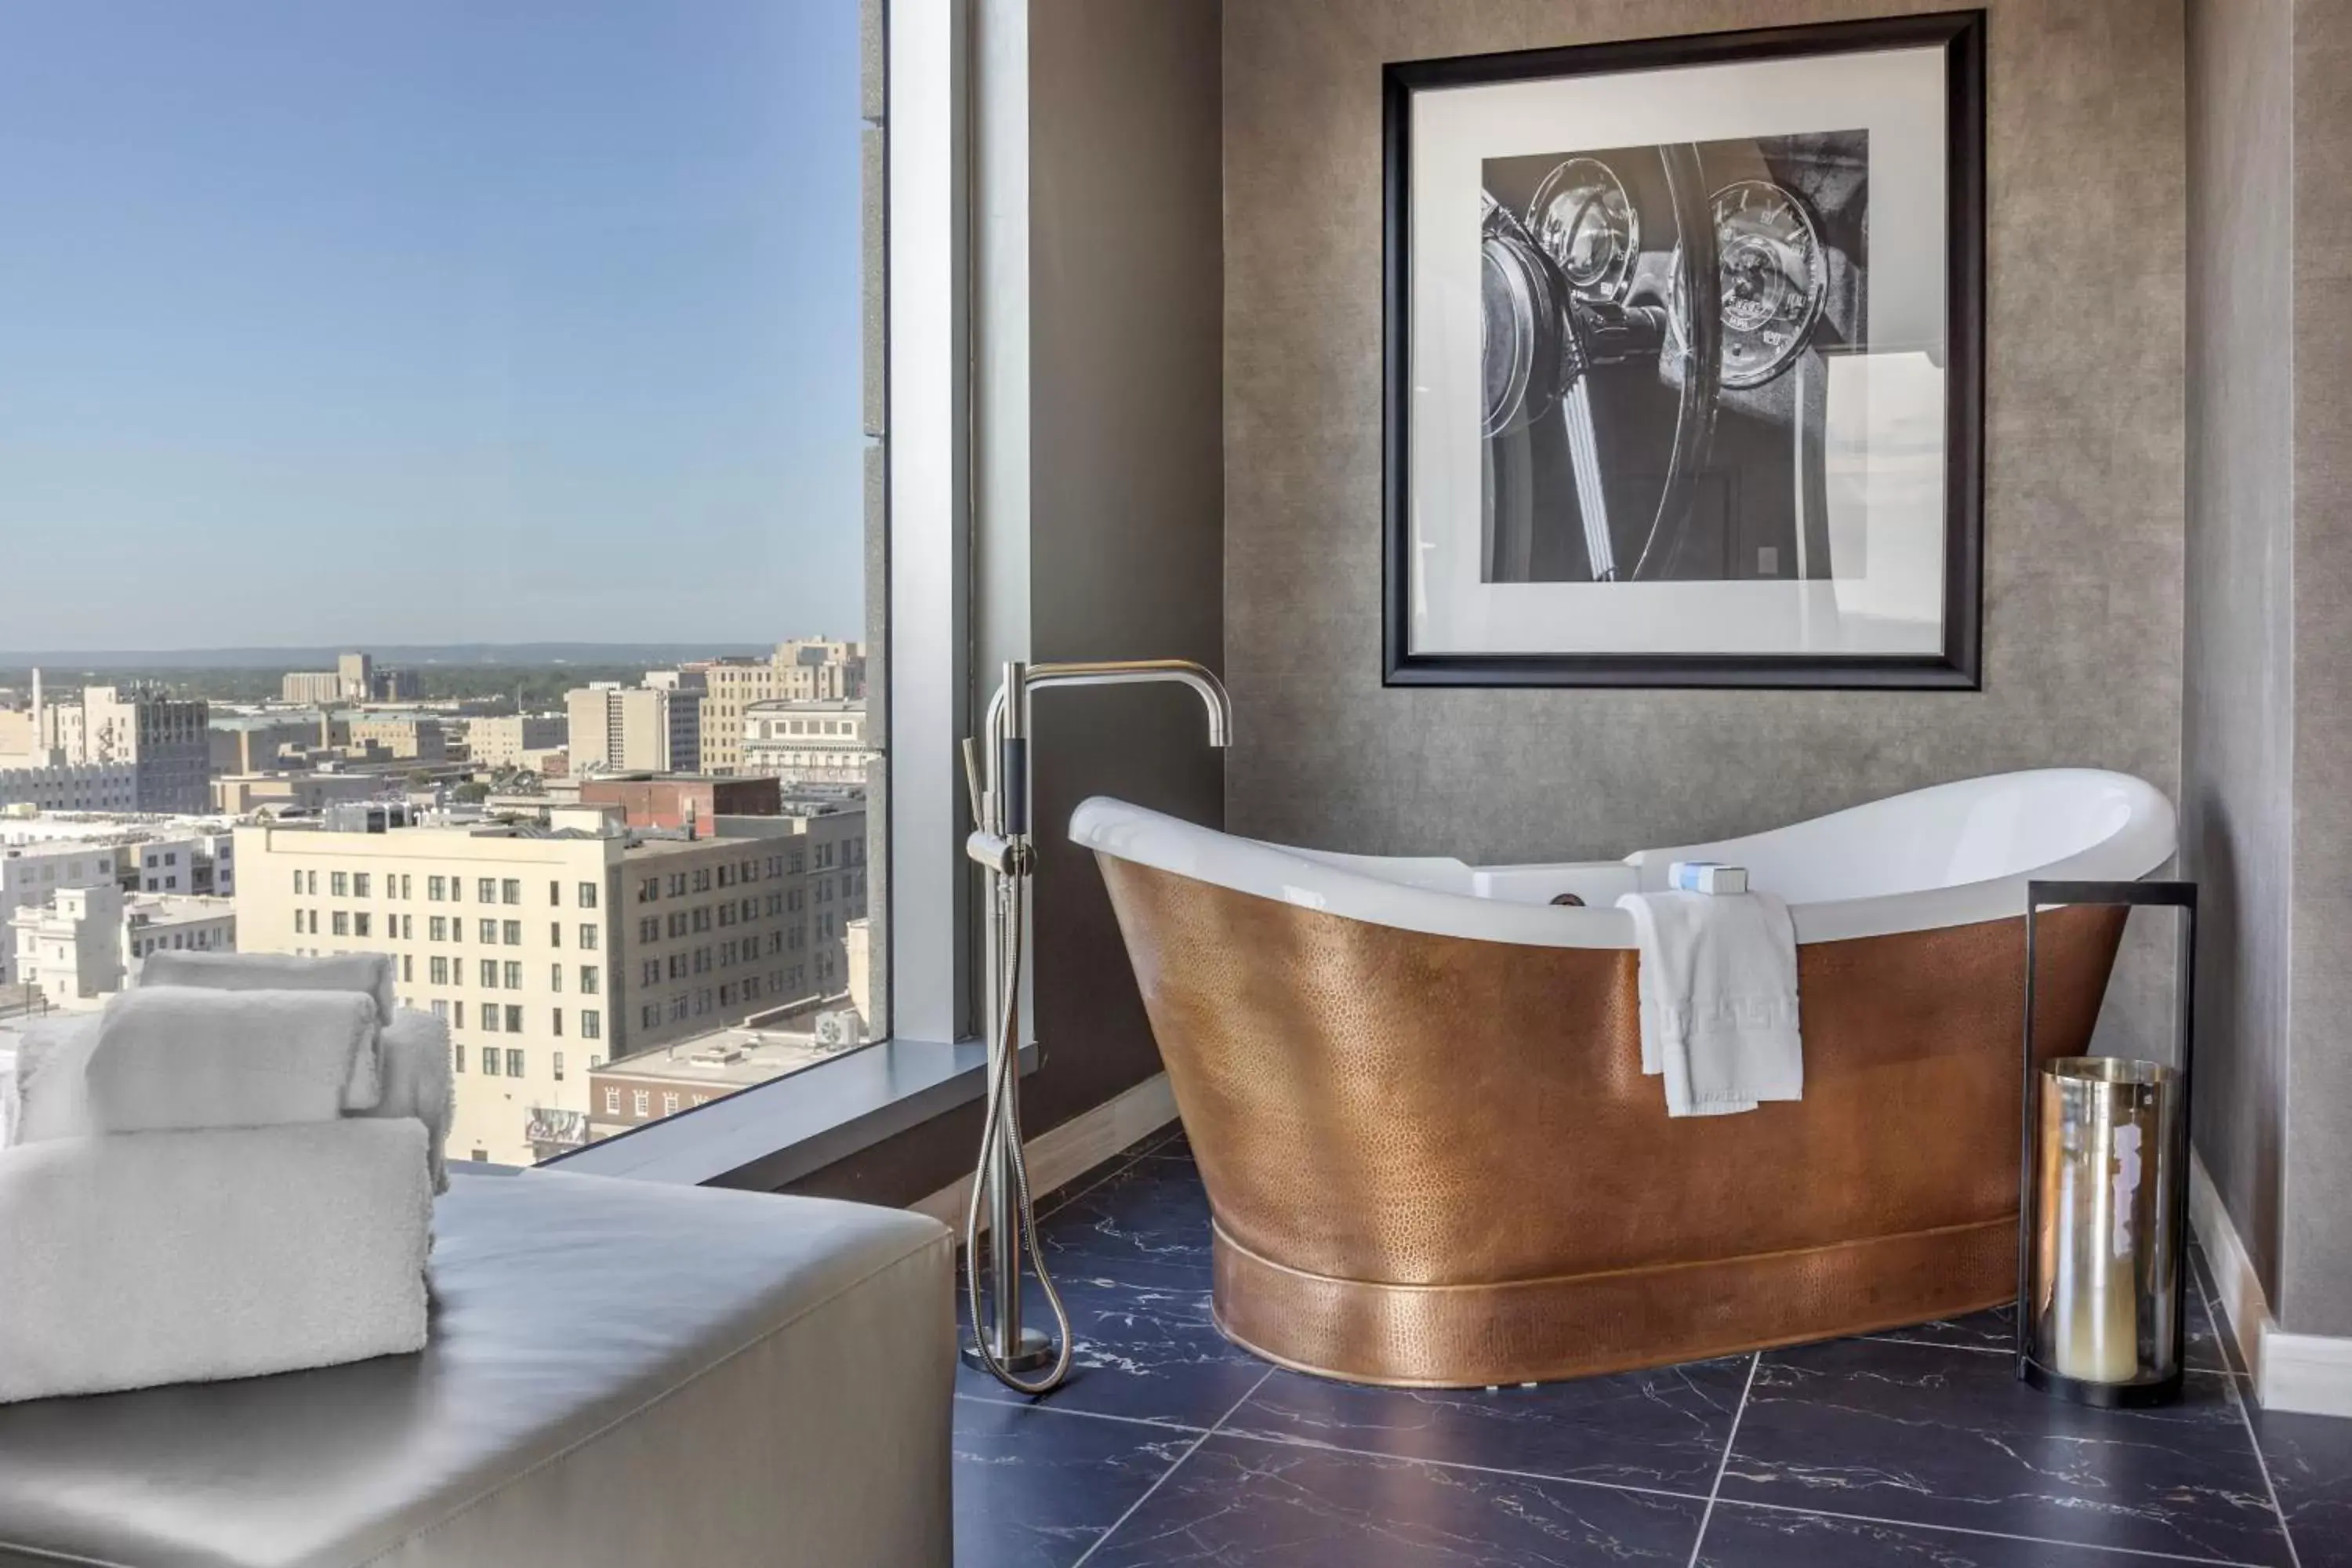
[(1170, 1445)]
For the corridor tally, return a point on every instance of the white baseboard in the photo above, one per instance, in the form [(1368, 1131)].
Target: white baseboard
[(2311, 1373), (1076, 1146)]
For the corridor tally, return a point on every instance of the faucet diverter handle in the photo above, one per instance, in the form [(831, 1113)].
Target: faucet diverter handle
[(971, 781)]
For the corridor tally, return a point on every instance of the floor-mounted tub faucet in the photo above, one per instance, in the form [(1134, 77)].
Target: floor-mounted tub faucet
[(996, 772)]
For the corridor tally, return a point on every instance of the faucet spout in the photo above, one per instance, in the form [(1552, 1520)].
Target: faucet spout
[(1199, 678)]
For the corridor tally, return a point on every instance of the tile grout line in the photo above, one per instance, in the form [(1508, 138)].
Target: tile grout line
[(1992, 1534), (2238, 1395), (1113, 1168), (1277, 1440), (2224, 1371), (1104, 1538), (1156, 1425), (2262, 1463), (1010, 1401), (1545, 1479), (1707, 1516)]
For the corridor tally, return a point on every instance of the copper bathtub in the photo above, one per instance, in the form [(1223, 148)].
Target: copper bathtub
[(1413, 1087)]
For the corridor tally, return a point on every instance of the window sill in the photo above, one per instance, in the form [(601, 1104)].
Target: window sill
[(769, 1136)]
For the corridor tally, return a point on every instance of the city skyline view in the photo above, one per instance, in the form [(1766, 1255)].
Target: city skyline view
[(434, 476), (436, 325)]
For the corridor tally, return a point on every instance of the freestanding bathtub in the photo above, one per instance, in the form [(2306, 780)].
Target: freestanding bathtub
[(1414, 1088)]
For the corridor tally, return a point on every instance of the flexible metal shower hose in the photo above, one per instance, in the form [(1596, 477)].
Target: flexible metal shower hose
[(1003, 1123)]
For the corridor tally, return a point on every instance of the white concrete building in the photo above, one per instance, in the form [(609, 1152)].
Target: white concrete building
[(171, 925), (31, 875), (49, 782), (201, 863), (88, 944), (71, 947), (20, 828), (806, 743)]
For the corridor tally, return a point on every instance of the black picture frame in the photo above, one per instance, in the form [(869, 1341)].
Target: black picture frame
[(1958, 666)]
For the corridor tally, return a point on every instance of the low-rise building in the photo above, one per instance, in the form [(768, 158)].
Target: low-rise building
[(87, 944), (32, 875), (311, 687), (687, 802), (49, 782), (354, 678), (807, 742), (202, 863), (406, 737), (70, 948), (645, 1086), (168, 923), (255, 742), (506, 740), (550, 948), (242, 794)]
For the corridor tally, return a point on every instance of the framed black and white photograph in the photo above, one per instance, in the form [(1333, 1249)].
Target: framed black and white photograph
[(1684, 360)]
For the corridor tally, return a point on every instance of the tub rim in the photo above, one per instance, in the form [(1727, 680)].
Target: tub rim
[(2140, 842)]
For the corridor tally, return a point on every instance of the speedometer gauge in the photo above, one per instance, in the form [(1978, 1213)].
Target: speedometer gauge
[(1773, 277), (1582, 220)]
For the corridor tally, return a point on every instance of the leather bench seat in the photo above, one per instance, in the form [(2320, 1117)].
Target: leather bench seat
[(620, 1374)]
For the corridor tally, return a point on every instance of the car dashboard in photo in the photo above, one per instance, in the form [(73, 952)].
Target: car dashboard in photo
[(1669, 306)]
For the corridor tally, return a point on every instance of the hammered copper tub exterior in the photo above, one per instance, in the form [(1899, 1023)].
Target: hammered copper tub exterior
[(1435, 1161)]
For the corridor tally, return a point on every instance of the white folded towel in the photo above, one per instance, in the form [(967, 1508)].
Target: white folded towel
[(367, 972), (176, 1056), (52, 1094), (417, 1083), (187, 1257), (52, 1099), (1718, 992), (370, 972)]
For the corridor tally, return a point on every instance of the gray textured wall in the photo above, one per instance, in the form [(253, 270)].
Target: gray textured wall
[(2237, 730), (2084, 498), (2267, 705), (1126, 502), (2315, 1291)]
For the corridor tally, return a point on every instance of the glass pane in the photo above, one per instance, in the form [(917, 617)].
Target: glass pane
[(472, 401)]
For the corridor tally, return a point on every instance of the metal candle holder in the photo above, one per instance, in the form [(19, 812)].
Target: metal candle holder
[(2103, 1192)]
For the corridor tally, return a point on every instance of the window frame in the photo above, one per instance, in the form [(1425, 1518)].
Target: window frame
[(927, 1061)]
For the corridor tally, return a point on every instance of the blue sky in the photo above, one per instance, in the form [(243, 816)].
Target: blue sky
[(339, 322)]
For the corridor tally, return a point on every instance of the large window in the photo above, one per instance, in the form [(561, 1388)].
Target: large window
[(483, 401)]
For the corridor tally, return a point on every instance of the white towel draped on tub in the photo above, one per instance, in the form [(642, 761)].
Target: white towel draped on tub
[(178, 1057), (1718, 991), (185, 1257)]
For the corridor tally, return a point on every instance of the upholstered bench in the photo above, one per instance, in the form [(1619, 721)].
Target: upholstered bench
[(621, 1373)]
